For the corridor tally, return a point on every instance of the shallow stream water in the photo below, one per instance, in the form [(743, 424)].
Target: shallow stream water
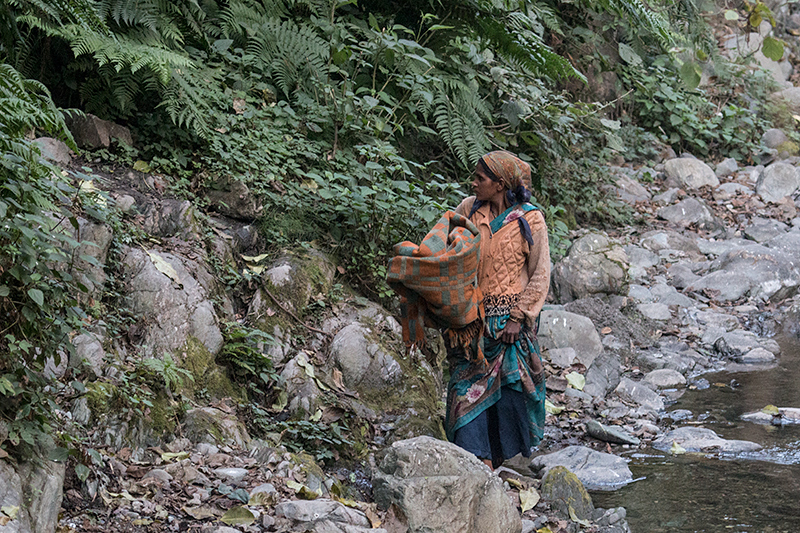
[(758, 492)]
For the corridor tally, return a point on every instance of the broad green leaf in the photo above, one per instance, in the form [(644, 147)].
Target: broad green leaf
[(142, 166), (771, 410), (691, 74), (37, 296), (551, 408), (3, 289), (576, 380), (168, 456), (238, 516), (10, 511), (82, 471), (629, 55), (59, 454), (528, 499), (611, 124), (165, 268), (730, 14), (574, 517), (677, 449), (772, 48)]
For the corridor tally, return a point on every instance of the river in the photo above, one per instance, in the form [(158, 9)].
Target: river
[(755, 493)]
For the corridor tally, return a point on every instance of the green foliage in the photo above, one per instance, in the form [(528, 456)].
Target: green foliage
[(690, 121), (166, 372), (39, 310), (243, 355)]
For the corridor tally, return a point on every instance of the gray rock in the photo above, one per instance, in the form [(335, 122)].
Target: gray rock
[(735, 344), (655, 311), (92, 132), (364, 362), (125, 203), (173, 310), (758, 271), (54, 150), (696, 439), (667, 197), (613, 434), (757, 356), (441, 487), (562, 329), (594, 265), (750, 45), (777, 181), (301, 389), (688, 212), (89, 350), (715, 319), (208, 424), (665, 378), (726, 191), (640, 260), (785, 416), (726, 167), (764, 229), (689, 173), (561, 357), (300, 511), (681, 362), (232, 475), (667, 295), (669, 240), (639, 394), (564, 491), (158, 474), (603, 375), (629, 190), (681, 276), (235, 200), (36, 489), (640, 294), (95, 242), (773, 138), (596, 470)]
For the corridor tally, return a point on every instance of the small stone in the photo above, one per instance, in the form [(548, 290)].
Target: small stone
[(234, 475), (159, 474)]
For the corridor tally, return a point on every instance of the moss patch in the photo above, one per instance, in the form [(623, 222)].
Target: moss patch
[(208, 375)]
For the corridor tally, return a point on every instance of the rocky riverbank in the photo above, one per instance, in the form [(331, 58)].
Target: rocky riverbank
[(636, 316)]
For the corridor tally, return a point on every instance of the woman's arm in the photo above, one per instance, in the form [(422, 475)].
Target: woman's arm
[(537, 272)]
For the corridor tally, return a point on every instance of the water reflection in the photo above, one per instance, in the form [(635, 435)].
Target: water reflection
[(757, 492)]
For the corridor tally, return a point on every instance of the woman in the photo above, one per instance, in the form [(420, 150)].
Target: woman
[(495, 400)]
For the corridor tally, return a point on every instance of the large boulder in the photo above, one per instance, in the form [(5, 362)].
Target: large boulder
[(688, 212), (168, 217), (562, 329), (596, 470), (639, 394), (594, 265), (90, 256), (365, 361), (208, 424), (762, 272), (440, 487), (54, 150), (603, 375), (671, 244), (92, 132), (324, 516), (35, 491), (235, 200), (689, 173), (750, 45), (696, 439), (566, 493), (171, 295), (777, 181)]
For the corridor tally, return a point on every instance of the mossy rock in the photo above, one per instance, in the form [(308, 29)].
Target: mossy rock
[(208, 375), (207, 424), (788, 149), (563, 490)]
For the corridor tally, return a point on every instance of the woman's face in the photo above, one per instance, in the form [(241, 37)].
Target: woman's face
[(483, 187)]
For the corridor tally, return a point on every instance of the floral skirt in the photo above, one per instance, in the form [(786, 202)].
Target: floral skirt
[(475, 387)]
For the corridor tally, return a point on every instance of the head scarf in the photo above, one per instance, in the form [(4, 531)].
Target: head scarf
[(516, 176), (508, 167)]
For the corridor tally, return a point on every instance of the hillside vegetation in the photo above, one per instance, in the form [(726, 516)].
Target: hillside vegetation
[(355, 123)]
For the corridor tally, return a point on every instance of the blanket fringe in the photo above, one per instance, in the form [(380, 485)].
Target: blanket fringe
[(464, 337)]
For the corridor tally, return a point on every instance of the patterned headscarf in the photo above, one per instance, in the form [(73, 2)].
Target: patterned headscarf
[(501, 164)]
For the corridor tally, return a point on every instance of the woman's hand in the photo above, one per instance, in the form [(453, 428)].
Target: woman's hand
[(510, 333)]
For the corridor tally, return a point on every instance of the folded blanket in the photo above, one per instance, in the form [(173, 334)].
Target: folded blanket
[(437, 281)]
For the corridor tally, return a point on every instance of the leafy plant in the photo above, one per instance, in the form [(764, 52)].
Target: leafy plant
[(243, 354), (166, 371)]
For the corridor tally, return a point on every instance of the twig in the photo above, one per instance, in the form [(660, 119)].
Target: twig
[(279, 304)]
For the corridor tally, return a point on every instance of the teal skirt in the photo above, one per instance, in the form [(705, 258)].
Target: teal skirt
[(496, 410)]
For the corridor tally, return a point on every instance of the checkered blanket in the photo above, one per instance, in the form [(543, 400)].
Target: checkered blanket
[(437, 280)]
